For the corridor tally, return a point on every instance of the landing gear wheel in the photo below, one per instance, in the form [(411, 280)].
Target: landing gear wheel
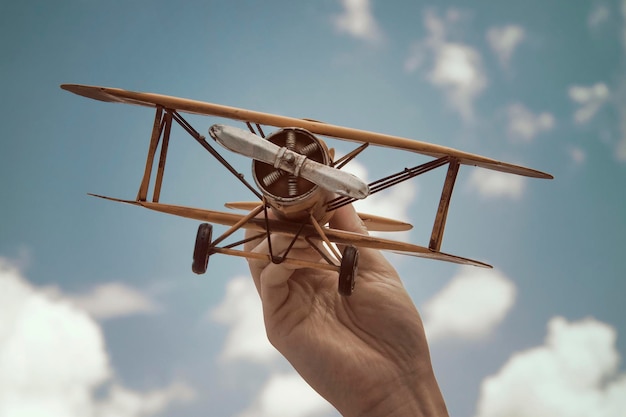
[(347, 270), (202, 249)]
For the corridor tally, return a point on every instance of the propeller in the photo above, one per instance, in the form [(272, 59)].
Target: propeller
[(248, 144)]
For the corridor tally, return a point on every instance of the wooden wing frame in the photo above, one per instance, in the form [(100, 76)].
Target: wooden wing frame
[(167, 112), (263, 226), (316, 127)]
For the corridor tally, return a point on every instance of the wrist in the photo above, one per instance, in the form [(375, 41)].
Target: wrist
[(420, 398)]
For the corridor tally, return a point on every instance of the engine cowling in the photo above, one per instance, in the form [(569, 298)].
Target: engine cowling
[(290, 196)]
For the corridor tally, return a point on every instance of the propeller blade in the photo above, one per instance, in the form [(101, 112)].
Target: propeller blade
[(244, 143), (248, 144), (334, 180)]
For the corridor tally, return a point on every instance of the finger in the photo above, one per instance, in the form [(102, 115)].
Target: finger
[(251, 244), (279, 244), (257, 245), (298, 249), (273, 283), (274, 289), (263, 247), (250, 233), (346, 218), (371, 260)]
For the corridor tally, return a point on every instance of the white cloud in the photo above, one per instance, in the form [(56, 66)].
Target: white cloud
[(590, 100), (393, 202), (470, 306), (624, 24), (495, 184), (415, 58), (620, 150), (286, 394), (113, 300), (53, 357), (598, 16), (504, 40), (124, 402), (573, 374), (358, 21), (458, 71), (241, 310), (457, 68), (524, 125), (51, 354), (577, 155)]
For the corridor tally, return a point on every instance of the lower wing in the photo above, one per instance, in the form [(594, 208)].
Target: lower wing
[(337, 236), (372, 222)]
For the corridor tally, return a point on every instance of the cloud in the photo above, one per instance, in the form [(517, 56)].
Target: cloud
[(457, 69), (125, 402), (590, 100), (524, 125), (286, 394), (504, 40), (577, 155), (574, 373), (113, 300), (598, 16), (620, 150), (415, 57), (52, 355), (494, 184), (623, 23), (357, 21), (241, 310), (470, 306), (53, 358), (393, 202)]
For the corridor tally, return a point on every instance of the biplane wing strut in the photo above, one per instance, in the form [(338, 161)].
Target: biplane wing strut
[(436, 236), (160, 128), (160, 135), (286, 161), (325, 129), (308, 232)]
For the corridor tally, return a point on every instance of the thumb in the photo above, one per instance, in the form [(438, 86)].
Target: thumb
[(346, 218)]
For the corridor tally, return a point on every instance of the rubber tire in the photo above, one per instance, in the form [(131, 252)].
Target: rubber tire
[(348, 270), (202, 248)]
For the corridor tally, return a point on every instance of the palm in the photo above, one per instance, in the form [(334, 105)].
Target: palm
[(375, 335), (373, 338)]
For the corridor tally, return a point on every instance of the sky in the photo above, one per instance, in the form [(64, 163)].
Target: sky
[(100, 313)]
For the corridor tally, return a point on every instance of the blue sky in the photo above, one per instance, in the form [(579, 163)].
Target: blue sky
[(101, 314)]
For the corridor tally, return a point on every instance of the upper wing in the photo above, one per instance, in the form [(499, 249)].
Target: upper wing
[(340, 132), (277, 226)]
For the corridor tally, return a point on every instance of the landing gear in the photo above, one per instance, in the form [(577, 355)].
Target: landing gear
[(202, 249), (348, 270)]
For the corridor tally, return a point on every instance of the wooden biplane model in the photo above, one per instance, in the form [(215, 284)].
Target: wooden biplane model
[(298, 181)]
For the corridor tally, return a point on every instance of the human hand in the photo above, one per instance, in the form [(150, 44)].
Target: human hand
[(367, 353)]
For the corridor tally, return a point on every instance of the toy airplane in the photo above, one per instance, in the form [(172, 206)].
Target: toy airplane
[(297, 180)]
